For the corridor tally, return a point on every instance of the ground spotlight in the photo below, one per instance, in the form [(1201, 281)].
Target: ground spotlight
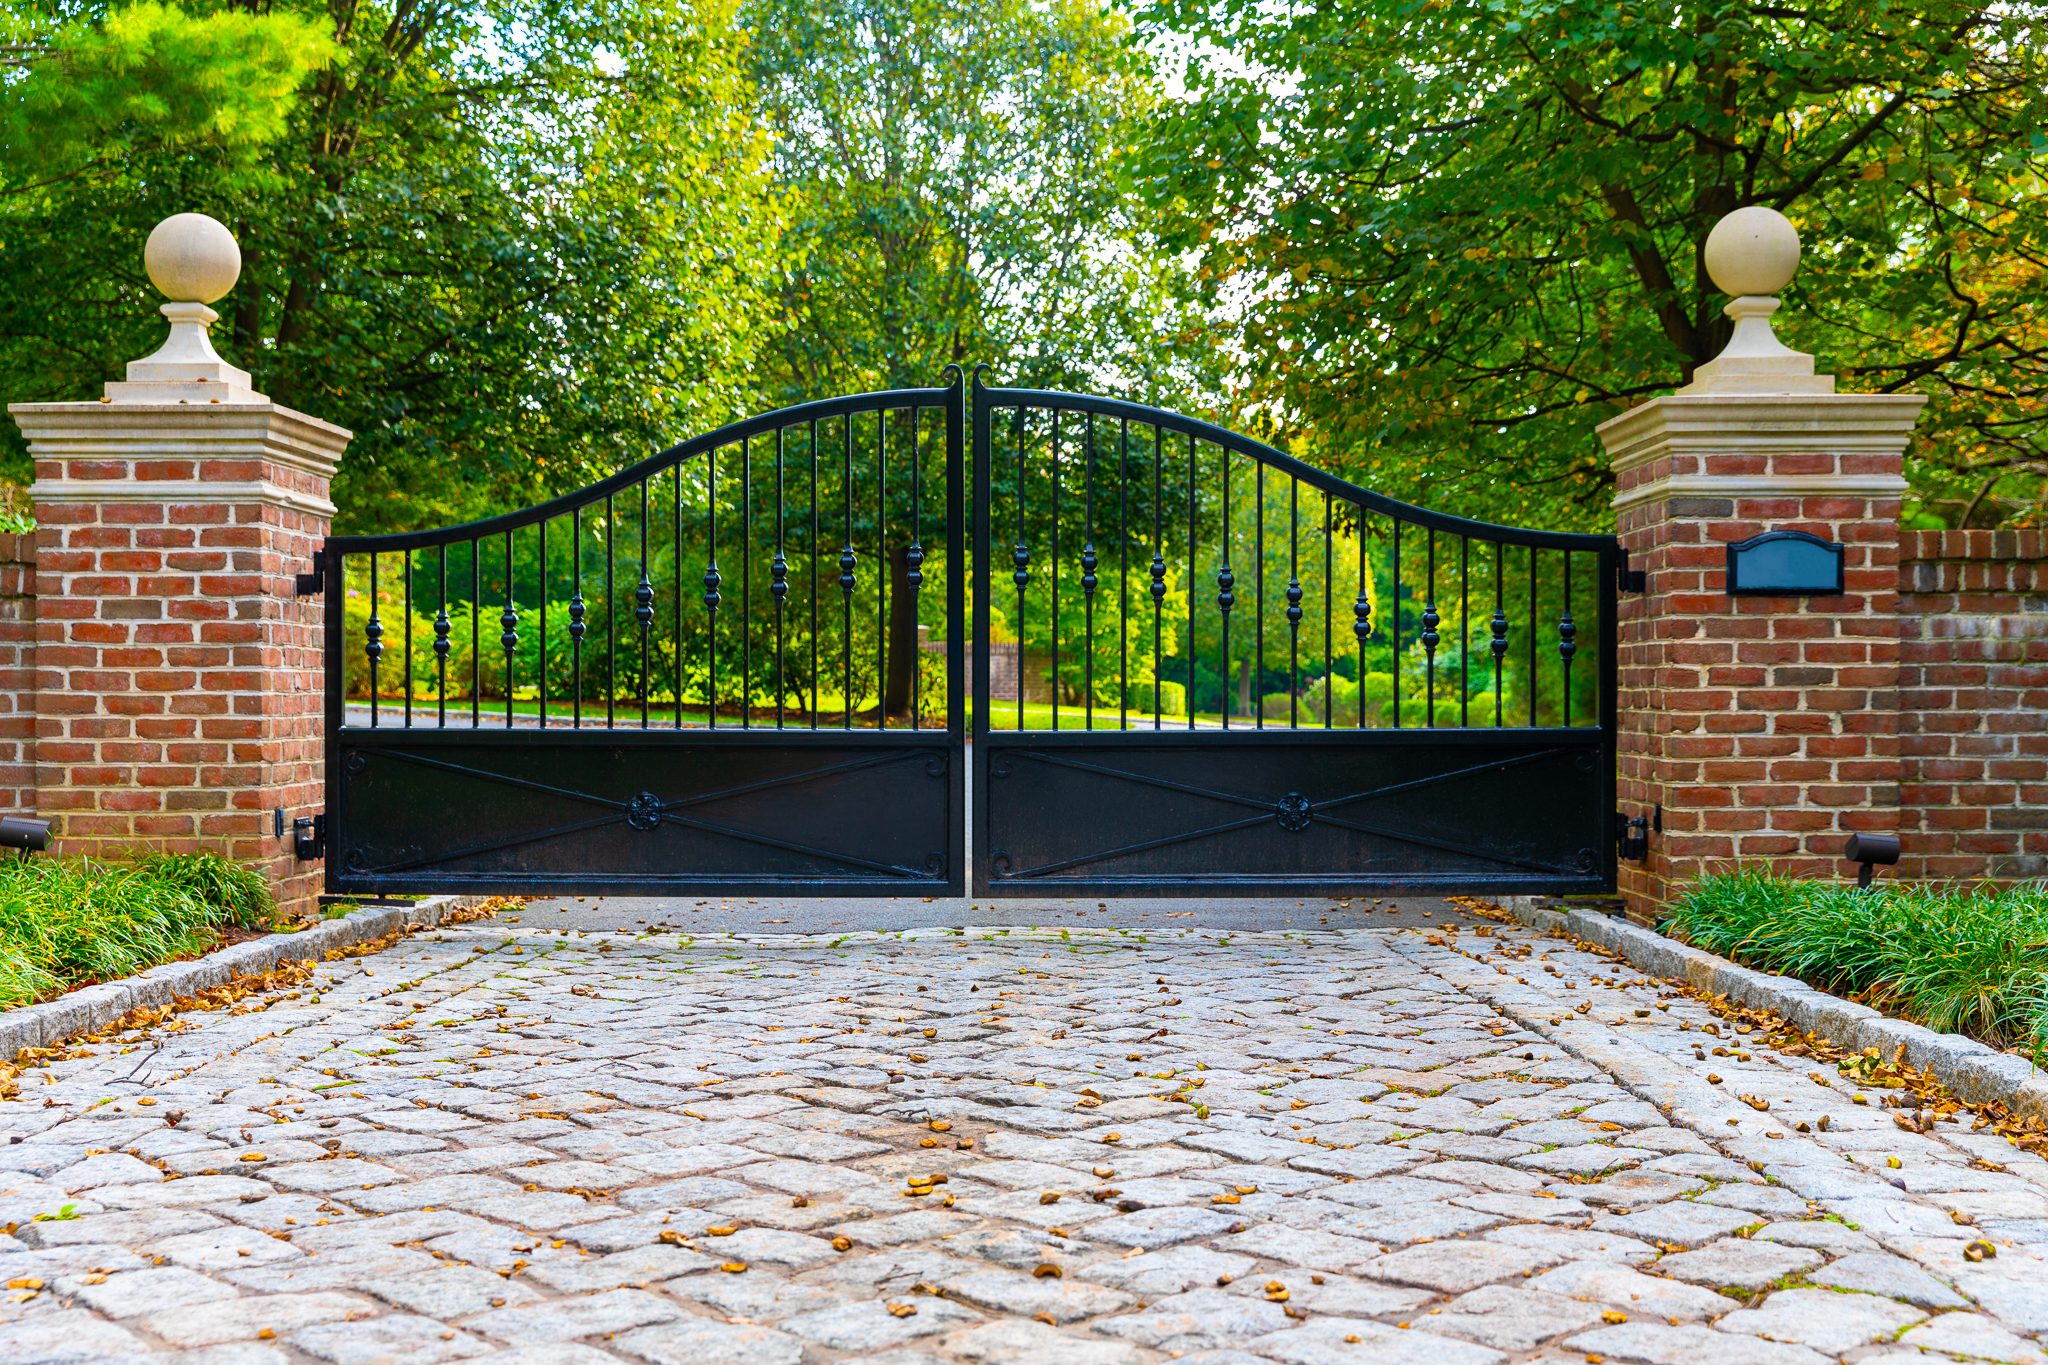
[(1869, 850), (24, 832)]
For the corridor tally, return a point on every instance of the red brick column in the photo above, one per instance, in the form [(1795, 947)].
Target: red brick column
[(179, 677), (1767, 728)]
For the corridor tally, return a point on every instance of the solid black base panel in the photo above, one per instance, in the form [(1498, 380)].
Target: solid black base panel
[(642, 813), (1321, 813)]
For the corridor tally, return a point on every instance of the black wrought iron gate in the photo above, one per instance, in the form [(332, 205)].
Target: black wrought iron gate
[(704, 673), (1303, 687), (1195, 665)]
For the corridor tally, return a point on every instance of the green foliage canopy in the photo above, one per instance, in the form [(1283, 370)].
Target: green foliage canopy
[(511, 244), (1461, 232), (81, 96), (948, 173)]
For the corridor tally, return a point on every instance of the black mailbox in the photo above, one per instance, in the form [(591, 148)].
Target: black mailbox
[(1784, 564)]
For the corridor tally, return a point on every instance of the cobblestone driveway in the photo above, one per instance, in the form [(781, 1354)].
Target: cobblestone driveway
[(1075, 1146)]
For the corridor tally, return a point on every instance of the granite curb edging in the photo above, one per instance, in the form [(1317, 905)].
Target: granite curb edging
[(94, 1007), (1975, 1071)]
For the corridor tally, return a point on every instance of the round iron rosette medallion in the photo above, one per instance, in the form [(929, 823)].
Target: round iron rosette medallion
[(1295, 812), (643, 812)]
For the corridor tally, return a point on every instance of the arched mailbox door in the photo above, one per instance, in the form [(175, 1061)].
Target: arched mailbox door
[(1784, 564)]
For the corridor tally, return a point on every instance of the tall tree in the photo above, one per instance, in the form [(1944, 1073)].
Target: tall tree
[(79, 92), (512, 244), (948, 173), (1461, 232)]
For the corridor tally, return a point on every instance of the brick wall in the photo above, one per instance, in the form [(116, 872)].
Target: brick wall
[(17, 674), (1974, 703)]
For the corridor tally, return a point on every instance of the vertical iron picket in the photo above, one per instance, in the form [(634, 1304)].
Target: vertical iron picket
[(1053, 573), (408, 639), (441, 647), (544, 624), (611, 612), (1329, 596), (1158, 584), (847, 563), (1088, 580), (1394, 615), (577, 625), (508, 623), (778, 586), (373, 645), (1258, 594), (882, 568)]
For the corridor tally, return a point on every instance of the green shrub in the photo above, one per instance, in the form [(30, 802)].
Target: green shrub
[(1173, 698), (1281, 706), (1968, 960), (68, 922)]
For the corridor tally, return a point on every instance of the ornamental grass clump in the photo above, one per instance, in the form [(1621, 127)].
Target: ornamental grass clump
[(67, 922), (1962, 959)]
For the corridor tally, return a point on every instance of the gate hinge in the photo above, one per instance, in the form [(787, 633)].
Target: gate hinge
[(311, 584), (309, 838), (1630, 580), (1632, 836)]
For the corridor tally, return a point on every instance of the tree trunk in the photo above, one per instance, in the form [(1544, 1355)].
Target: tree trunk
[(899, 688)]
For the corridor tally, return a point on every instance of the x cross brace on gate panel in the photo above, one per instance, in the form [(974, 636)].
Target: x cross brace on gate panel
[(1292, 812)]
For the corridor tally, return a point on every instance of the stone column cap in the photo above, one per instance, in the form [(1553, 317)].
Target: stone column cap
[(193, 261), (142, 434), (1693, 424), (1762, 421)]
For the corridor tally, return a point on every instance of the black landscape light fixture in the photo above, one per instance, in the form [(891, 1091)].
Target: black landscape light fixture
[(24, 832), (1869, 850)]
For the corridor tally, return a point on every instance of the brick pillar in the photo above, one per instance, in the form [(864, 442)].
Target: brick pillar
[(1767, 728), (178, 676)]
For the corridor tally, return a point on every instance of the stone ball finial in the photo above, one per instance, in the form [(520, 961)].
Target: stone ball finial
[(192, 258), (1752, 251)]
